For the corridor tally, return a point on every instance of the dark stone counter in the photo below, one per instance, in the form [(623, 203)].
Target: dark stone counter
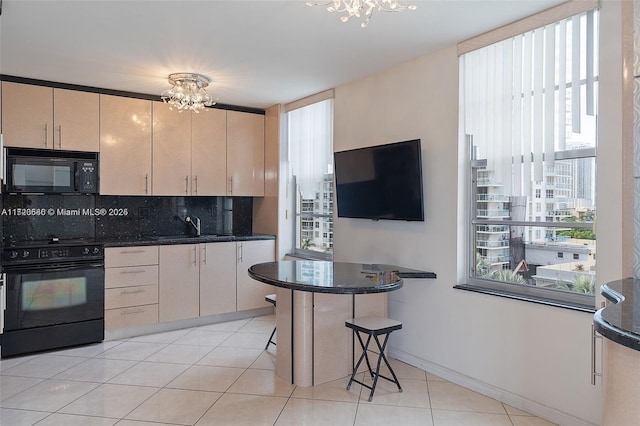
[(620, 320), (180, 239), (333, 277)]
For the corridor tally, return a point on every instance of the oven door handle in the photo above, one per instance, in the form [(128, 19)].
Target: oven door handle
[(56, 267), (3, 299)]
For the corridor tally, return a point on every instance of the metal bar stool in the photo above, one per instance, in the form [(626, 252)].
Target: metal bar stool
[(271, 298), (373, 327)]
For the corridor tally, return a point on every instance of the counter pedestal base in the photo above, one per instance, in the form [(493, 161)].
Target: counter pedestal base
[(622, 385), (314, 346)]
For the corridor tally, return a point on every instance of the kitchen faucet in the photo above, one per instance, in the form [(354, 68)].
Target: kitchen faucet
[(195, 222)]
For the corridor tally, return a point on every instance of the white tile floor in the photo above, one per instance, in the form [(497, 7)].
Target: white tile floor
[(220, 375)]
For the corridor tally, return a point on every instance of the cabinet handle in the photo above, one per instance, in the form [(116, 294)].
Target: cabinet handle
[(195, 255), (239, 252), (146, 183), (204, 254), (594, 373), (60, 136), (137, 271), (131, 251), (140, 290), (134, 311), (186, 185), (195, 185), (231, 185), (46, 135)]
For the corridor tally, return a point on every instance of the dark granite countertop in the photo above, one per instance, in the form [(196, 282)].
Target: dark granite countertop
[(180, 239), (333, 277), (619, 321)]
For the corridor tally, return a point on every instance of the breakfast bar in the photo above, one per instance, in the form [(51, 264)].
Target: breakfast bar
[(315, 298)]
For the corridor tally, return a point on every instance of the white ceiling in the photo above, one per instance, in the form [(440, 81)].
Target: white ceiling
[(258, 53)]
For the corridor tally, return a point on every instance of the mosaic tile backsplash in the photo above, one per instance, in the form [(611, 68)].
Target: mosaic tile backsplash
[(38, 217)]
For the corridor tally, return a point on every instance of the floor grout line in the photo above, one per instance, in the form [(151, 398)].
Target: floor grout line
[(262, 362)]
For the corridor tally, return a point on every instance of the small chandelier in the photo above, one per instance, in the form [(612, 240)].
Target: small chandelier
[(187, 92), (357, 8)]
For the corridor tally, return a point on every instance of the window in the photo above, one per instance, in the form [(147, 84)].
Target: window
[(310, 140), (528, 110), (576, 256)]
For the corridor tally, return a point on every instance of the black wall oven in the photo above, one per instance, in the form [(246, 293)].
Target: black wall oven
[(54, 296)]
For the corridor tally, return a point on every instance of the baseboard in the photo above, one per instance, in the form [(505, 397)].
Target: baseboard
[(141, 330), (517, 401)]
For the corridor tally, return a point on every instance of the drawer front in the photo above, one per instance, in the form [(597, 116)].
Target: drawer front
[(130, 296), (130, 275), (130, 256), (129, 317)]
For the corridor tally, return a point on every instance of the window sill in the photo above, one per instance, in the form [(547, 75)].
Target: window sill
[(310, 255), (526, 298)]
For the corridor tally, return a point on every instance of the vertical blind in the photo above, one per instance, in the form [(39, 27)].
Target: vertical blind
[(311, 144), (519, 94)]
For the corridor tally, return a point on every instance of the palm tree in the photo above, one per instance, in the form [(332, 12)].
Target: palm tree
[(507, 276), (583, 284), (482, 266)]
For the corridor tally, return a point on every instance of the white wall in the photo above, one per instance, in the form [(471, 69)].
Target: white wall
[(532, 356)]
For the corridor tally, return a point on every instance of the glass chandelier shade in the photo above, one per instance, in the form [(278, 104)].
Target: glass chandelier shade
[(188, 92), (359, 8)]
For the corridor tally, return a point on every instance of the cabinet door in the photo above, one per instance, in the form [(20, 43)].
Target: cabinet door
[(251, 293), (217, 278), (171, 151), (179, 282), (209, 152), (125, 146), (76, 120), (245, 154), (27, 115)]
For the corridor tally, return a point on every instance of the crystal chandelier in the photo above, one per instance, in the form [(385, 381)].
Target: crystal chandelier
[(187, 92), (357, 8)]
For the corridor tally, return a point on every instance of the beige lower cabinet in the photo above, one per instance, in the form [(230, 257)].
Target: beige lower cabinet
[(131, 286), (211, 278), (217, 278), (250, 292), (179, 282)]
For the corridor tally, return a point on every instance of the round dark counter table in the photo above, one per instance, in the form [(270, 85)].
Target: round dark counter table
[(314, 300), (328, 277), (620, 320)]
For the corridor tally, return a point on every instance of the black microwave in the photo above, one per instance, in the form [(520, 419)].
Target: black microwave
[(51, 171)]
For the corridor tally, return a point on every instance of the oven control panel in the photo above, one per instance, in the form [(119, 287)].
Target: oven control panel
[(52, 253)]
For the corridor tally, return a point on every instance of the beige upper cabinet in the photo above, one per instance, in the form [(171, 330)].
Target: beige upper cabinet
[(76, 120), (171, 151), (125, 146), (245, 154), (209, 152), (189, 151), (27, 115), (43, 117)]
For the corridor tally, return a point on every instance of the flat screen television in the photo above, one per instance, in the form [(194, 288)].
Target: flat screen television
[(380, 182)]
